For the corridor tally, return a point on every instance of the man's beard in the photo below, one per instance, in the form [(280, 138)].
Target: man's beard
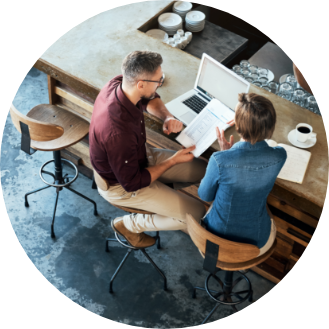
[(148, 97)]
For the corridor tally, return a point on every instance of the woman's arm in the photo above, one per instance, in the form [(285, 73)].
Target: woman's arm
[(209, 184)]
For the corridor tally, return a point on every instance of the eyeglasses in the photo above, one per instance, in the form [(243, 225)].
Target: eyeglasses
[(160, 82)]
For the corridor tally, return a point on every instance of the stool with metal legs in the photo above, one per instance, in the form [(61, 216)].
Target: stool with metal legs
[(51, 128), (103, 185), (226, 257)]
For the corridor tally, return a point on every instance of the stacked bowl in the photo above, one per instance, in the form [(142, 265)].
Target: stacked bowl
[(158, 34), (195, 21), (181, 8), (170, 23)]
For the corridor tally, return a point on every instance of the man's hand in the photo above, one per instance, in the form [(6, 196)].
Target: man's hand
[(171, 125), (183, 155), (223, 143)]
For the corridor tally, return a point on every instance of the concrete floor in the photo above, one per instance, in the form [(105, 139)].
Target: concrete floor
[(76, 262)]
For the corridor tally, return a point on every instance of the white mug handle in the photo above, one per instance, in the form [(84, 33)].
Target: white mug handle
[(312, 135)]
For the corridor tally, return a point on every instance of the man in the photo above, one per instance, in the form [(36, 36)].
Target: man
[(136, 174)]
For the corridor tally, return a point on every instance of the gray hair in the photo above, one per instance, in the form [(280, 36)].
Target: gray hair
[(140, 64)]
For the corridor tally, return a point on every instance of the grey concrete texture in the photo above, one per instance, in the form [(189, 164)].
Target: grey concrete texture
[(76, 262)]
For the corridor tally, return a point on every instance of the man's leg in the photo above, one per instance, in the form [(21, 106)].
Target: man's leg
[(169, 207)]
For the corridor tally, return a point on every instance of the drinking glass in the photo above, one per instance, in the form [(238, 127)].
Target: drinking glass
[(249, 79), (292, 80), (299, 97), (274, 86), (180, 32), (244, 64), (240, 75), (266, 88), (237, 68), (253, 69), (254, 76), (285, 90), (257, 83), (245, 72), (312, 105), (262, 72), (263, 80)]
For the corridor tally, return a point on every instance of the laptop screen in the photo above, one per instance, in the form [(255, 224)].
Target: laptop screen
[(216, 81)]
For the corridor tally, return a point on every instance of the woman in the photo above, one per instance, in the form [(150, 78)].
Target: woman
[(240, 177)]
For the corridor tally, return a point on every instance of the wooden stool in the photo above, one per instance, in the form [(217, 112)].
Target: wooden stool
[(229, 256), (51, 128), (103, 185)]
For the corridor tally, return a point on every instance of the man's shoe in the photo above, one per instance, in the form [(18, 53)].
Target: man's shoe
[(137, 240)]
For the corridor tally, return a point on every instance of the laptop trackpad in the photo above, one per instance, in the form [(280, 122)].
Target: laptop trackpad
[(188, 117)]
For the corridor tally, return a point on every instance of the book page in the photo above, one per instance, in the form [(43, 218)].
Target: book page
[(296, 164), (201, 132)]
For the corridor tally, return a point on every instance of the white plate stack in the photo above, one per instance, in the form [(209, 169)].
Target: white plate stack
[(170, 23), (182, 8), (195, 21)]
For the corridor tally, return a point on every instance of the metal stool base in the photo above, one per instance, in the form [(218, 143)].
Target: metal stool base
[(225, 296), (59, 183), (130, 249)]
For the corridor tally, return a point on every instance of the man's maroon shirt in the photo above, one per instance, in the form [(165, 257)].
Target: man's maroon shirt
[(117, 138)]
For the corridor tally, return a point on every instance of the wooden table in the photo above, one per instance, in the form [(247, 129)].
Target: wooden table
[(84, 59)]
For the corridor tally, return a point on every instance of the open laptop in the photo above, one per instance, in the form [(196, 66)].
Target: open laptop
[(214, 80)]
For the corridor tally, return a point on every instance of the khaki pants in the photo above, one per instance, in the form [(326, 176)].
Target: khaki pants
[(170, 207)]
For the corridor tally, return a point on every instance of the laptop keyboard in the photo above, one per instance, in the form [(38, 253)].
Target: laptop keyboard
[(195, 103)]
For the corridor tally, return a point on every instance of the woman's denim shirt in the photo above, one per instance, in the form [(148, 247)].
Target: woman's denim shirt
[(238, 182)]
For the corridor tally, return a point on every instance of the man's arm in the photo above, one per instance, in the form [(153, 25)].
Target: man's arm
[(158, 109), (301, 80), (181, 156)]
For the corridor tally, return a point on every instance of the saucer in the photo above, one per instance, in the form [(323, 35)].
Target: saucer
[(293, 140)]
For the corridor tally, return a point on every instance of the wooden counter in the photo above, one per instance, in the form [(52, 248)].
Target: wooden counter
[(85, 58)]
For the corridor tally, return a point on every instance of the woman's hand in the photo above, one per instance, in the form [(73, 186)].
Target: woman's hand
[(231, 123), (223, 143)]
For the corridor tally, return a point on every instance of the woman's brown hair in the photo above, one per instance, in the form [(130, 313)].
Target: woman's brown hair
[(255, 117)]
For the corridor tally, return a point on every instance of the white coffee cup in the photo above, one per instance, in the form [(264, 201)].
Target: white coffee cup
[(304, 132), (189, 36)]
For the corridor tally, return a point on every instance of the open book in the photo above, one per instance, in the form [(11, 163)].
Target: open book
[(201, 132), (296, 164)]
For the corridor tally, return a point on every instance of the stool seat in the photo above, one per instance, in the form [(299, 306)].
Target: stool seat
[(75, 128), (244, 265)]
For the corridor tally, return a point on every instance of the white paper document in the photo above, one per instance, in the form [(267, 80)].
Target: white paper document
[(296, 164), (201, 132)]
